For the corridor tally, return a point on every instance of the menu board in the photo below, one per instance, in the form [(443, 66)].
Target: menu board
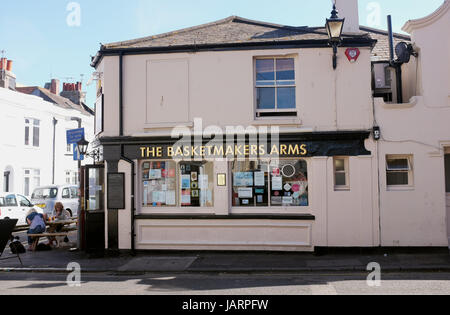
[(116, 191)]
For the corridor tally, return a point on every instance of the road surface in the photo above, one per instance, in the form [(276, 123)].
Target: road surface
[(224, 284)]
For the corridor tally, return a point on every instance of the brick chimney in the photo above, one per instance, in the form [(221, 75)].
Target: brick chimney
[(54, 86), (348, 9), (7, 77), (74, 92)]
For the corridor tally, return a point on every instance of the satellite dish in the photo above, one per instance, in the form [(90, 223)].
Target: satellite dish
[(404, 51)]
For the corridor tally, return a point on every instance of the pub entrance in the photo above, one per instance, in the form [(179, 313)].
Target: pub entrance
[(447, 189), (93, 208)]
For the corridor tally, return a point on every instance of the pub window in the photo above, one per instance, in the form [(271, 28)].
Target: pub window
[(275, 87), (341, 173), (197, 184), (159, 184), (283, 183), (399, 170)]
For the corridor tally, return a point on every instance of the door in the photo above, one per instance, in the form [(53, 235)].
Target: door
[(23, 208), (447, 188), (11, 209), (93, 183)]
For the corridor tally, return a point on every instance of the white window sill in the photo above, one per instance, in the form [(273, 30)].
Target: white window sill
[(341, 189), (267, 121), (400, 188), (269, 210), (168, 125), (176, 211)]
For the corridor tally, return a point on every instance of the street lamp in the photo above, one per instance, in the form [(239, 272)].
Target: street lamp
[(83, 145), (334, 26)]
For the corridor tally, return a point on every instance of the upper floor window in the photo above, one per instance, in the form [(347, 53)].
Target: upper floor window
[(399, 171), (32, 127), (275, 87)]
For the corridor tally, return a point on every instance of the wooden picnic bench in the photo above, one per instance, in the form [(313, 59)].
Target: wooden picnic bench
[(50, 236)]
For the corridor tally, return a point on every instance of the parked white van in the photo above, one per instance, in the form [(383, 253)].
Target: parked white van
[(15, 206), (46, 198)]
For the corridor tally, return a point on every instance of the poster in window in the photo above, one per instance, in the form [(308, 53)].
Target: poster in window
[(243, 179), (171, 198), (277, 183), (260, 179), (186, 198), (186, 182), (245, 192), (155, 174), (203, 181)]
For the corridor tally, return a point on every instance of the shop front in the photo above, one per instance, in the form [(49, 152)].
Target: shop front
[(248, 193)]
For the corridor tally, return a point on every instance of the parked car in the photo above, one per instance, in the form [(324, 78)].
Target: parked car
[(46, 198), (15, 206)]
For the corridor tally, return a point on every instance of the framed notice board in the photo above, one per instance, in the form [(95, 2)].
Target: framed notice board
[(116, 191)]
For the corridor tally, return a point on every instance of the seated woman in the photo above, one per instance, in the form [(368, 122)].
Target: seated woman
[(36, 221), (60, 214)]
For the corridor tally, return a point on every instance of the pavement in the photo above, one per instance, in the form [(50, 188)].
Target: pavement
[(390, 260)]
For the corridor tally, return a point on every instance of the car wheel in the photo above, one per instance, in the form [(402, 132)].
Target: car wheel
[(70, 211)]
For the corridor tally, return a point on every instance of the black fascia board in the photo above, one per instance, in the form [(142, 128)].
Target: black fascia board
[(313, 136), (311, 43)]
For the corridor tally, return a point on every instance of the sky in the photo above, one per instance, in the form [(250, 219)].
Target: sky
[(55, 38)]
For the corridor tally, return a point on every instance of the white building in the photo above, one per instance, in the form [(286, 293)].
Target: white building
[(33, 144)]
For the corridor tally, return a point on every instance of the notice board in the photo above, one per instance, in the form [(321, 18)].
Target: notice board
[(116, 191)]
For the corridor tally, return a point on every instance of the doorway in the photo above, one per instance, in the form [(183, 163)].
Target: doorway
[(447, 189), (8, 180)]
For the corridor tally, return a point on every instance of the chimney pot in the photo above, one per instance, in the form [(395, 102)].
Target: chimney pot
[(9, 65)]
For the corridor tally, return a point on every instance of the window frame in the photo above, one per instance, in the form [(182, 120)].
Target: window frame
[(32, 125), (409, 170), (178, 208), (275, 111), (346, 171), (273, 209)]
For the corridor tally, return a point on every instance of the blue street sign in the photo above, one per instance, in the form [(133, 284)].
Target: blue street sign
[(76, 155), (75, 135)]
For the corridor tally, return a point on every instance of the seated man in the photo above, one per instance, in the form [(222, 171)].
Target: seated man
[(36, 221)]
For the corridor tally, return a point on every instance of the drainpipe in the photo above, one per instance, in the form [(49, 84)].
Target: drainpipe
[(395, 64), (121, 94), (55, 122), (123, 157)]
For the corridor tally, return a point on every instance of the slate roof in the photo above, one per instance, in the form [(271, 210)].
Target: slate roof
[(235, 30), (55, 99)]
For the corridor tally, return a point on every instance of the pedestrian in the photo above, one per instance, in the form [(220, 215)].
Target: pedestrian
[(36, 221)]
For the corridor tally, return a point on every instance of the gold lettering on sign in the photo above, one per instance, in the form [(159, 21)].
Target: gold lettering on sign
[(219, 151)]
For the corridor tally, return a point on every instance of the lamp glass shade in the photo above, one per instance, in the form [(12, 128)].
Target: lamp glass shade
[(82, 147), (334, 28)]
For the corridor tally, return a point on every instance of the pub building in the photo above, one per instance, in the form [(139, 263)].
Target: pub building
[(247, 135)]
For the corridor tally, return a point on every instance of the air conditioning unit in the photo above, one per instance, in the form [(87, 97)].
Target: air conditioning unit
[(382, 76)]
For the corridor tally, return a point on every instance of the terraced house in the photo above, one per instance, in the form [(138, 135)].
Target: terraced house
[(247, 135)]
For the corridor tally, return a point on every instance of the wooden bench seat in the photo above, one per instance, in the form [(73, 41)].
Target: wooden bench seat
[(50, 236)]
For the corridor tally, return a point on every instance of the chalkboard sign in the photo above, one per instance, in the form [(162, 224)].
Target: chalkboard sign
[(116, 191)]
